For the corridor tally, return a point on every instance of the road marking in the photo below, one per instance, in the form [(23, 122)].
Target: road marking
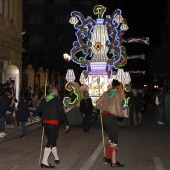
[(93, 157), (158, 163)]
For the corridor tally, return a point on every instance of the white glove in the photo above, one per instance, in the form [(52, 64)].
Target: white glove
[(66, 129)]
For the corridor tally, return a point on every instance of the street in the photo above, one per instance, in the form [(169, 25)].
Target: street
[(74, 149), (141, 148)]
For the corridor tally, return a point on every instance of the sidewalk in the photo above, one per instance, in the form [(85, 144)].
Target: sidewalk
[(16, 132)]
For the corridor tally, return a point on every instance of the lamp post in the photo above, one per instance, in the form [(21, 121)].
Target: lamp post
[(67, 58)]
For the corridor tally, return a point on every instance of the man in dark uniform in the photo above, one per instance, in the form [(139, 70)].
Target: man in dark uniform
[(52, 114), (86, 107)]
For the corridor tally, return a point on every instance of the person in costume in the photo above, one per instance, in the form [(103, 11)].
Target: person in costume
[(86, 107), (110, 104), (52, 114)]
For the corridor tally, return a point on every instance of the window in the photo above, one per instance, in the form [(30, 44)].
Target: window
[(10, 9), (1, 7), (3, 65)]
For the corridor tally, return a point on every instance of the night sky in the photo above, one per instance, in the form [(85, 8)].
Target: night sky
[(144, 17)]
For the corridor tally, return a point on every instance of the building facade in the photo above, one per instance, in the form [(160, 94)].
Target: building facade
[(10, 35), (49, 33)]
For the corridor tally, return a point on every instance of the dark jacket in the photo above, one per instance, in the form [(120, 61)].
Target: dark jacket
[(7, 89), (22, 113), (86, 105), (11, 108), (4, 105), (136, 103), (52, 110)]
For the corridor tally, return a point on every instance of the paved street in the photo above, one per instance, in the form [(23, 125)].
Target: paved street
[(142, 148)]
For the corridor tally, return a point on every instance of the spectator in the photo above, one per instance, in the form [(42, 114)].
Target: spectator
[(22, 114), (160, 108), (35, 103), (30, 90), (86, 107), (136, 107), (9, 88), (5, 102), (9, 113)]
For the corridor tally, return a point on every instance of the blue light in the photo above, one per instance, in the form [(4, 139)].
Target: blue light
[(84, 29)]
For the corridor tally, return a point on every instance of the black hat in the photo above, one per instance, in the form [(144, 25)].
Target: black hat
[(115, 83)]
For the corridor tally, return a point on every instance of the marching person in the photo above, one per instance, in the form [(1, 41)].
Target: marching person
[(52, 114), (86, 107), (110, 104)]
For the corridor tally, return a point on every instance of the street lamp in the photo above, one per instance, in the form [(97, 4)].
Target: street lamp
[(66, 57)]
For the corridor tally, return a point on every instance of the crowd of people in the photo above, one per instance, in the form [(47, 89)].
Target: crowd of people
[(7, 106), (15, 112)]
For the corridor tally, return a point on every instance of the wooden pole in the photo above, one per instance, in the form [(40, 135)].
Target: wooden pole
[(42, 141), (101, 119), (42, 137)]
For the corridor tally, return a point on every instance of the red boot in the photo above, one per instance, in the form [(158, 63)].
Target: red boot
[(107, 159), (113, 153), (114, 162)]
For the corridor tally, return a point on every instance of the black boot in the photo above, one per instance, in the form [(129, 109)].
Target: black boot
[(107, 161), (57, 161), (47, 166), (117, 164)]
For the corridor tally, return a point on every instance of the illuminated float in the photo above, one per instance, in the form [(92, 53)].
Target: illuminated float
[(99, 42)]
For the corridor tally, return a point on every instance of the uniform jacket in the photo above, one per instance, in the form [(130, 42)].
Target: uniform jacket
[(52, 110), (110, 102)]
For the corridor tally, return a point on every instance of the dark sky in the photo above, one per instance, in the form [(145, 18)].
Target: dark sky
[(144, 17)]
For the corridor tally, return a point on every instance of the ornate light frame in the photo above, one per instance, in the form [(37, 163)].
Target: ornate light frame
[(116, 26)]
